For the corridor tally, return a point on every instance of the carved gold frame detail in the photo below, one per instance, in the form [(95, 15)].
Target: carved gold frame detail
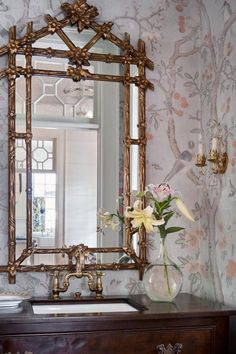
[(82, 15)]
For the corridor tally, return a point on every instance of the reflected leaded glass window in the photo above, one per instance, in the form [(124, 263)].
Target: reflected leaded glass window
[(43, 155), (56, 97)]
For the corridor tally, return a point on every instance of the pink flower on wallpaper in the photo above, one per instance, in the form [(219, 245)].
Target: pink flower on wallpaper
[(223, 236), (231, 269), (225, 108), (208, 72), (192, 238), (149, 135), (178, 112), (182, 102), (196, 267), (192, 267), (181, 5)]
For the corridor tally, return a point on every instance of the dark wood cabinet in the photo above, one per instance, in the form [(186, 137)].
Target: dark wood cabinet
[(188, 326), (197, 341)]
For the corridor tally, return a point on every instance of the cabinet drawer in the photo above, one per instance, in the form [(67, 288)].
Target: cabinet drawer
[(195, 340)]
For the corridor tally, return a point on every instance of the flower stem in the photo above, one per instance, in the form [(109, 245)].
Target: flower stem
[(166, 274)]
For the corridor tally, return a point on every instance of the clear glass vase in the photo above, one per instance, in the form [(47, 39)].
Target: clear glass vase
[(162, 279)]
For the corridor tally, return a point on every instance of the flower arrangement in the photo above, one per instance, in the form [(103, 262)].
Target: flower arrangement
[(162, 279), (156, 214)]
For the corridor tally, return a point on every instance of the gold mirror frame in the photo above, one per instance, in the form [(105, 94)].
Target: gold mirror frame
[(82, 15)]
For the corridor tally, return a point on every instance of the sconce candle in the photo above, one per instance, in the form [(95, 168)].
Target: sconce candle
[(200, 149), (218, 160), (214, 144), (201, 157)]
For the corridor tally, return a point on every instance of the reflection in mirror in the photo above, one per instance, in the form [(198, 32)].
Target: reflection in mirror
[(76, 142), (77, 157), (20, 195), (134, 165), (134, 107)]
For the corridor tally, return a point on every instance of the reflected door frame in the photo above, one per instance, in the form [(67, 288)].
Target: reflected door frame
[(58, 135)]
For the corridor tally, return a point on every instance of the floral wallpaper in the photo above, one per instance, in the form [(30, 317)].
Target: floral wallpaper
[(217, 92), (192, 44)]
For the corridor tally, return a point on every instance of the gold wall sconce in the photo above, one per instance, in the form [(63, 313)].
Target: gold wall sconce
[(218, 160)]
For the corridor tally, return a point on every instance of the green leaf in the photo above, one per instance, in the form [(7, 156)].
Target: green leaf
[(168, 216), (173, 229), (162, 231), (165, 204), (157, 207), (156, 215)]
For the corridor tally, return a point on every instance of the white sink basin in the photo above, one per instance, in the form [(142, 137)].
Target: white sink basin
[(47, 309)]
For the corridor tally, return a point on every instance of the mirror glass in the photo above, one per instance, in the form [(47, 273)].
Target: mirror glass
[(77, 154)]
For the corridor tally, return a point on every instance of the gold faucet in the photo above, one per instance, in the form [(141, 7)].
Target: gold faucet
[(94, 280)]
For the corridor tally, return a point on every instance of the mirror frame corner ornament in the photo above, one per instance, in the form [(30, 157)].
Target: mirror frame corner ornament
[(81, 14)]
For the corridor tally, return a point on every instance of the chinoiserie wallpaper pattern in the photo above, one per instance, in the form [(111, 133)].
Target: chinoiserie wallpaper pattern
[(192, 43)]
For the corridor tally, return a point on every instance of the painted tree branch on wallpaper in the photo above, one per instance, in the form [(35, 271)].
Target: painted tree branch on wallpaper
[(211, 199), (198, 39)]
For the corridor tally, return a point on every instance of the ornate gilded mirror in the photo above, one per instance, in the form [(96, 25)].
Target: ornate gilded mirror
[(76, 142)]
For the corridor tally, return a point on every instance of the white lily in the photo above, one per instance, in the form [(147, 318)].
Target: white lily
[(184, 210), (143, 216), (107, 220)]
